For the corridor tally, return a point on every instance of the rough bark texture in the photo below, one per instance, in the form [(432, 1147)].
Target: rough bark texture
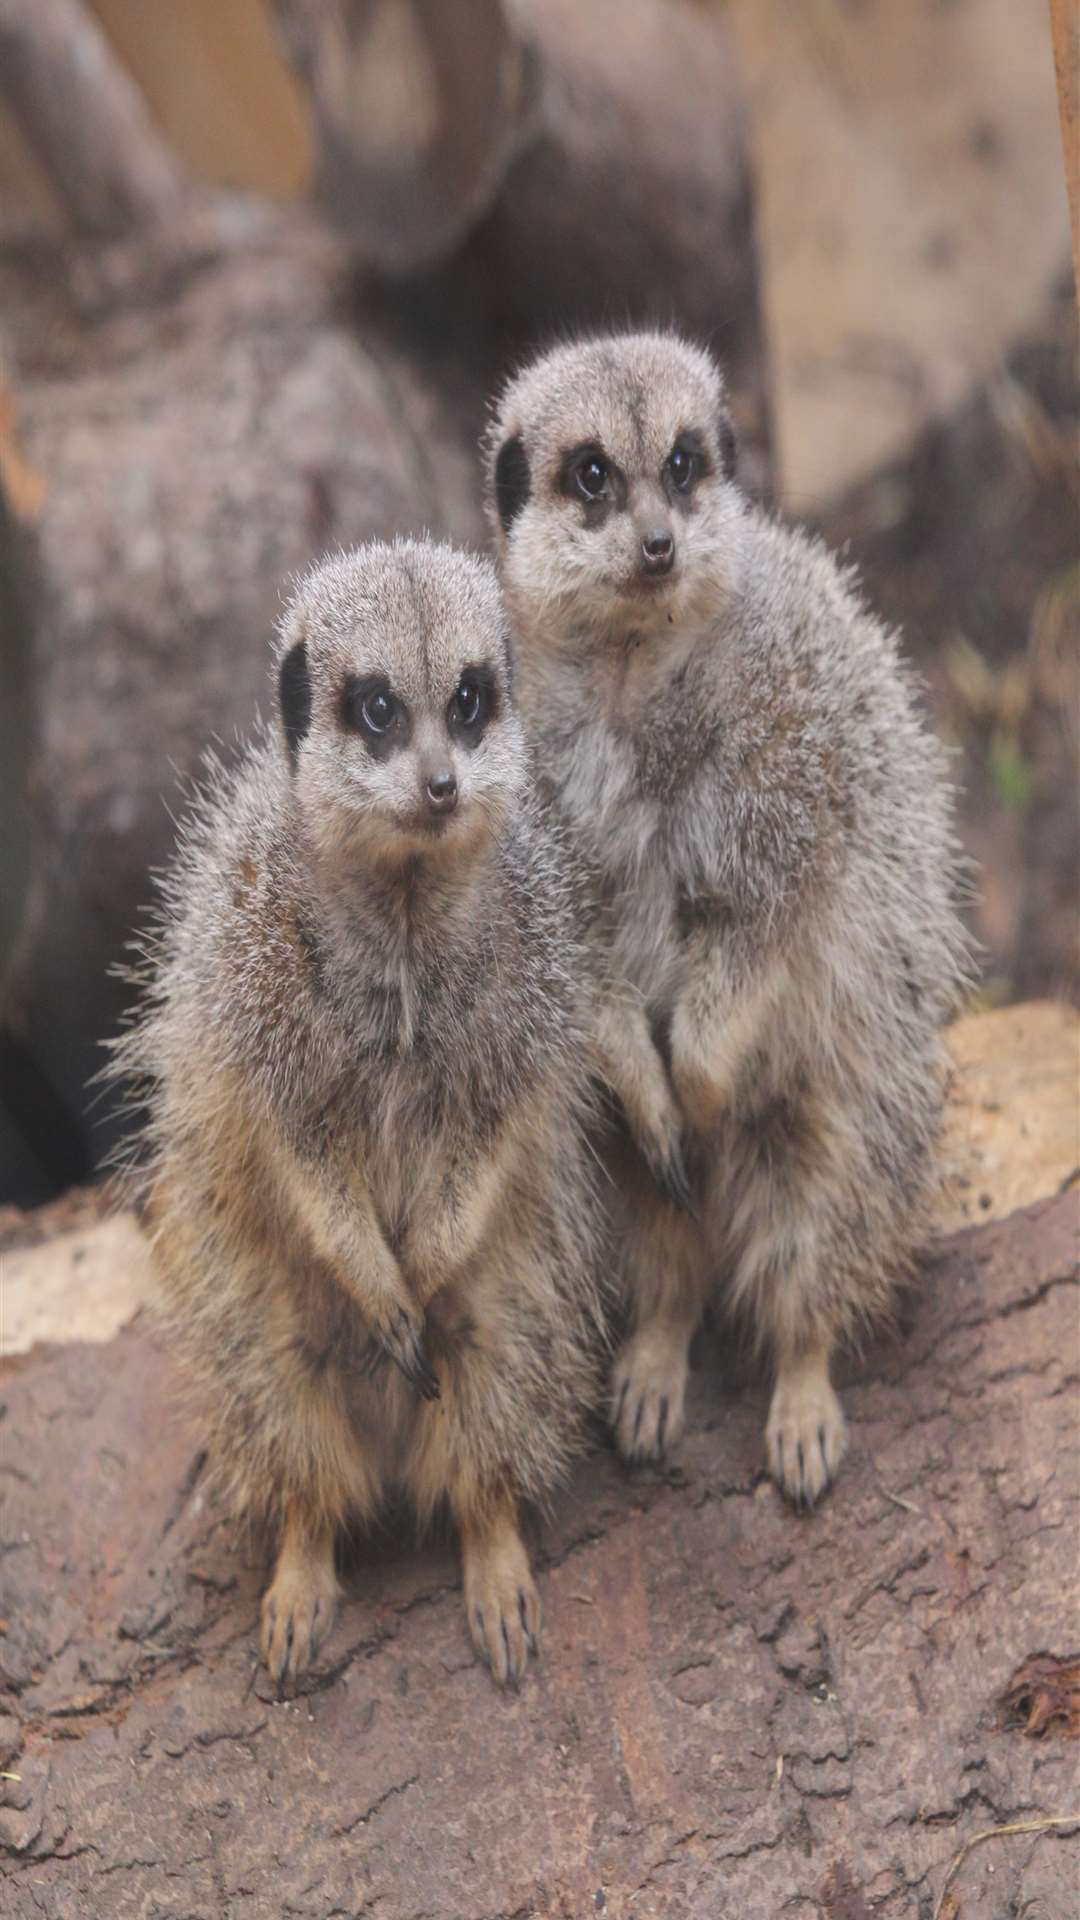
[(417, 107), (633, 202), (1066, 30), (84, 117), (739, 1712), (606, 184)]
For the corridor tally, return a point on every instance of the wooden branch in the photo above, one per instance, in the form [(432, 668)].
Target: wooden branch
[(84, 117), (418, 108), (1065, 22)]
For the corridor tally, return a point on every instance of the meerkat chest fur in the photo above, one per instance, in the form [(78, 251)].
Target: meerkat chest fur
[(615, 739), (440, 990)]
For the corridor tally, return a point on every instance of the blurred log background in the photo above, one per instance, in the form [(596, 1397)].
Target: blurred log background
[(261, 263)]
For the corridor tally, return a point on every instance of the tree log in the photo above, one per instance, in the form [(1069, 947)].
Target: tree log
[(84, 117), (417, 107), (594, 157), (1065, 24), (739, 1712), (199, 445)]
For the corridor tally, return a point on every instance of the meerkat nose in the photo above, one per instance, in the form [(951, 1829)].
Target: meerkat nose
[(658, 550), (442, 792)]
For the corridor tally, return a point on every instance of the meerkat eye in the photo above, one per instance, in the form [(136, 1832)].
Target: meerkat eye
[(377, 711), (682, 466), (470, 707), (369, 708), (466, 703), (591, 475)]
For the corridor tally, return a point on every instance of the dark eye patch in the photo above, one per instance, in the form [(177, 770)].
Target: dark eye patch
[(729, 450), (368, 706), (294, 697), (687, 463), (589, 476), (473, 705), (512, 483)]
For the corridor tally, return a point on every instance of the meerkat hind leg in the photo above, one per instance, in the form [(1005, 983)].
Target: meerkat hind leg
[(502, 1604), (805, 1434), (666, 1271), (301, 1601)]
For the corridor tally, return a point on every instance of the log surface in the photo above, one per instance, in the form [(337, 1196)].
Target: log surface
[(739, 1712)]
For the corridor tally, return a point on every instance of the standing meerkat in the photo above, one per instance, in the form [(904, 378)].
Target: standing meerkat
[(734, 742), (362, 1054)]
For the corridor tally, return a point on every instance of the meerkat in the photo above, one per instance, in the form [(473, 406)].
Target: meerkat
[(765, 821), (362, 1054)]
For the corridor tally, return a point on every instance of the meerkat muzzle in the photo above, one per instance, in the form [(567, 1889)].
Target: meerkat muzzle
[(657, 552)]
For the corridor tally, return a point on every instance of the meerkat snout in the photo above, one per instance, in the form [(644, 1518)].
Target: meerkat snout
[(442, 791), (657, 551)]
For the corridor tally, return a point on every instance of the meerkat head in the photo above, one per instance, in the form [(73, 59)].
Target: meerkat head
[(610, 475), (394, 693)]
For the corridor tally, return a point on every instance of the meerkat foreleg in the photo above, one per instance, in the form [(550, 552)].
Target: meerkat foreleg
[(783, 1192), (715, 1024), (502, 1605), (448, 1221), (336, 1208), (301, 1602), (629, 1062), (666, 1279), (806, 1433)]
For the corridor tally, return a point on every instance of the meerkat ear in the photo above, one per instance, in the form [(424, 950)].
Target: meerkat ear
[(729, 452), (294, 694), (511, 481)]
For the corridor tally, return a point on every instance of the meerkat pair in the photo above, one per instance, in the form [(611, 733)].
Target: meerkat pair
[(363, 1052), (764, 823), (382, 973)]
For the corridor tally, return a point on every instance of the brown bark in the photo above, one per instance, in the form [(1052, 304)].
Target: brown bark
[(739, 1713), (84, 117), (417, 107), (210, 434), (1065, 24), (586, 169)]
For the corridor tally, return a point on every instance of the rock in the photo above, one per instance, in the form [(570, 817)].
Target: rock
[(1013, 1120), (84, 1285)]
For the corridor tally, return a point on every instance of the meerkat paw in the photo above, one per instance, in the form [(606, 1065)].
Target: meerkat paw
[(502, 1605), (648, 1392), (298, 1610), (402, 1339), (806, 1433)]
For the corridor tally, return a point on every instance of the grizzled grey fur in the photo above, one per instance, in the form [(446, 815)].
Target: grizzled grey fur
[(364, 1052), (765, 818)]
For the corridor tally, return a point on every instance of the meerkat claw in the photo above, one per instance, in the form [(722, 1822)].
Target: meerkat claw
[(502, 1608), (404, 1344), (648, 1393), (297, 1612), (674, 1182)]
